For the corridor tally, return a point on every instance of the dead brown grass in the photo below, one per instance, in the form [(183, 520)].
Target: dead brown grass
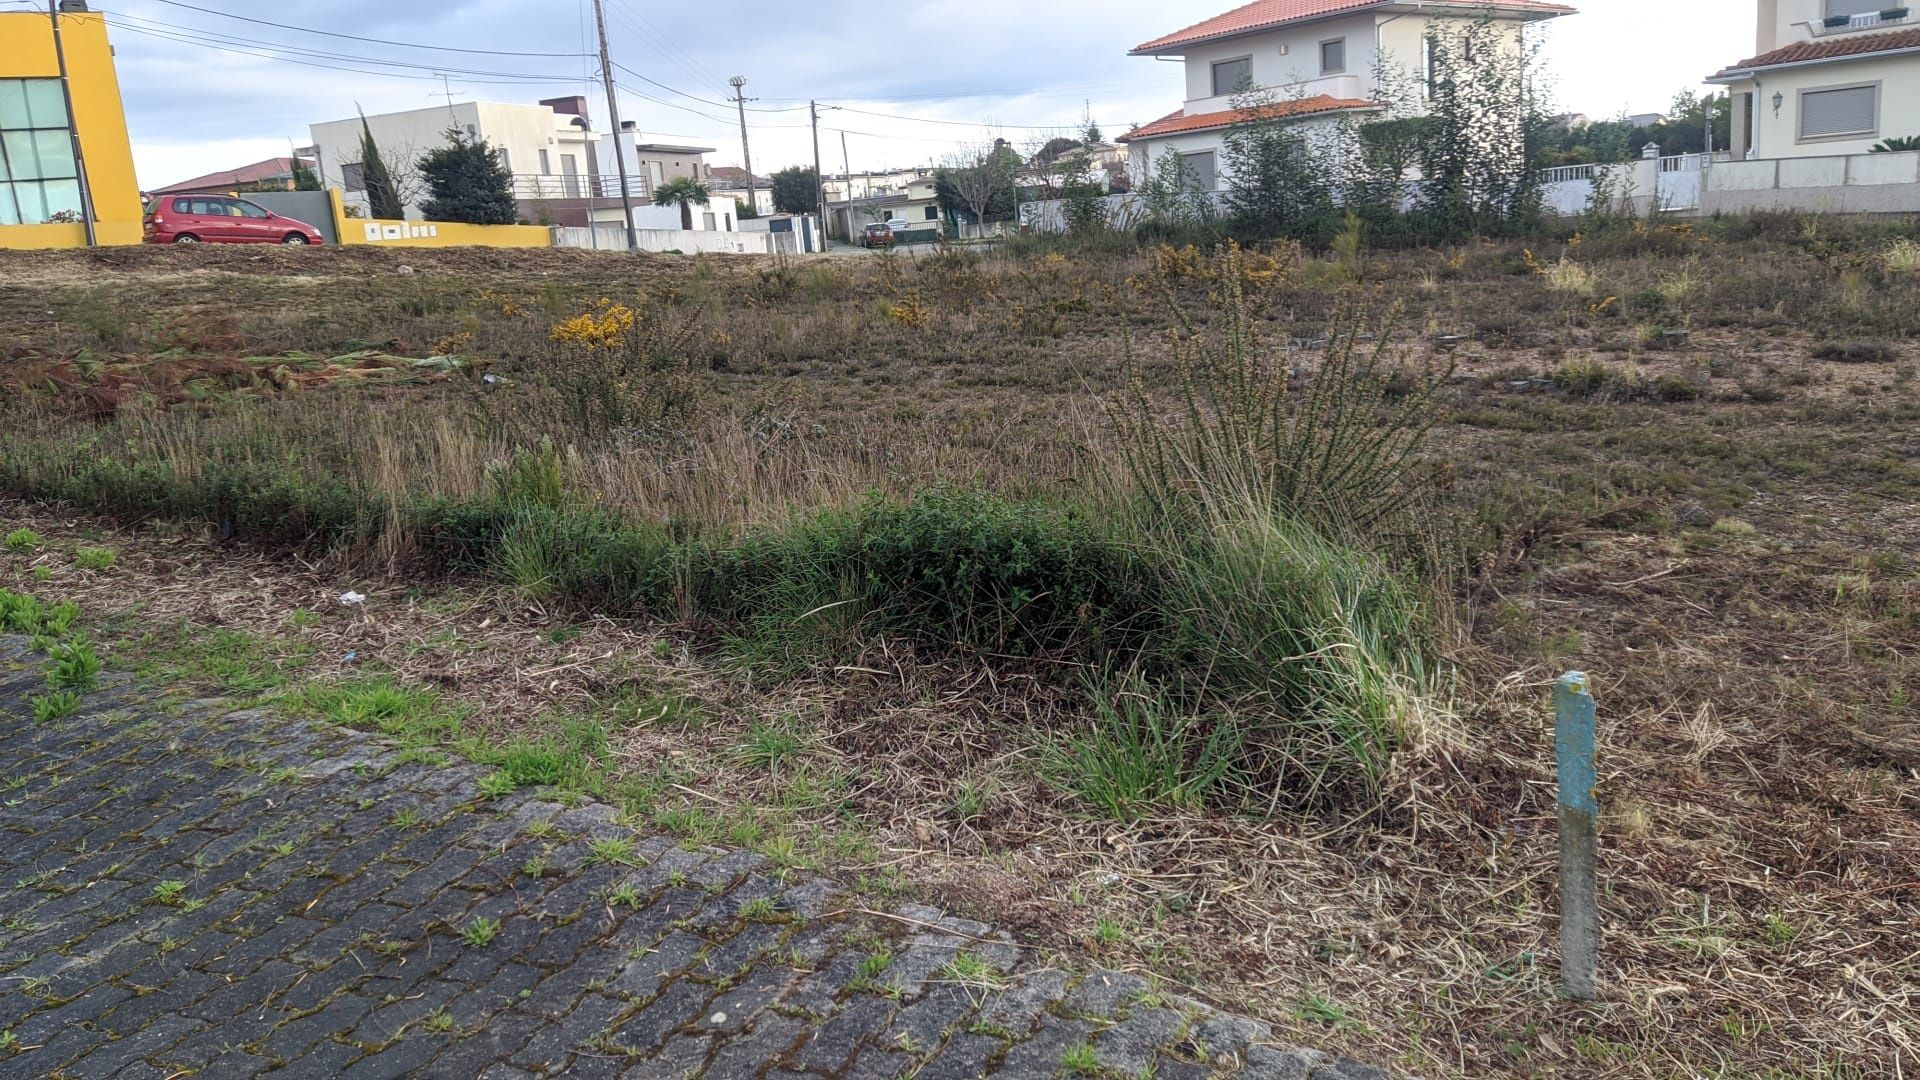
[(1761, 852)]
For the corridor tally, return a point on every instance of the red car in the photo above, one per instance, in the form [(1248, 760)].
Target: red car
[(222, 219)]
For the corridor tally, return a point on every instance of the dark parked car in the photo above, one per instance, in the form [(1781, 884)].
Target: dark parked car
[(878, 234), (221, 219)]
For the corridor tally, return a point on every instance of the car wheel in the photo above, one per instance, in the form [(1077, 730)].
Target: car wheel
[(296, 240), (186, 238)]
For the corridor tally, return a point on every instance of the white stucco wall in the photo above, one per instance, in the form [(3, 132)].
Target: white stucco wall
[(522, 131), (1777, 135), (1295, 72)]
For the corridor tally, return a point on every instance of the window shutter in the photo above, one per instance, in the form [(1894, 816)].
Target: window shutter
[(1847, 111), (1858, 7)]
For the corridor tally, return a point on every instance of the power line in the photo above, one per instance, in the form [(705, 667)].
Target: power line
[(951, 123), (355, 37), (696, 97), (212, 38), (510, 80), (660, 44)]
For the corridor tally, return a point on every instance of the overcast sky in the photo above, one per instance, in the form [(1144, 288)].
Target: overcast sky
[(194, 108)]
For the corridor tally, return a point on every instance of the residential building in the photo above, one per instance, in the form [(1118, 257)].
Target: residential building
[(548, 147), (45, 187), (1828, 78), (650, 165), (1320, 59), (731, 181), (273, 174), (872, 184), (914, 203)]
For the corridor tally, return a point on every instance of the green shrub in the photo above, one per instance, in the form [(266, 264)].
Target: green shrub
[(23, 542), (1326, 657)]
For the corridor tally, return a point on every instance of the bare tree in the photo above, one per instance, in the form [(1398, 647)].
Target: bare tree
[(982, 178)]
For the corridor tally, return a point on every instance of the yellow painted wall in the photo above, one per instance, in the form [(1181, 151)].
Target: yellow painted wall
[(26, 52), (378, 232)]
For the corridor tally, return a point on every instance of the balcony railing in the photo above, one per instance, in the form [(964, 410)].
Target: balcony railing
[(541, 186), (1872, 20)]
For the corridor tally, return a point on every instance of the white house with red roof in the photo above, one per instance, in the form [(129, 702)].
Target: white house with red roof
[(1828, 78), (1322, 60)]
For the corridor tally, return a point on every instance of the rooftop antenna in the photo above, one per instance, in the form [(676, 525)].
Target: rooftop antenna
[(446, 81)]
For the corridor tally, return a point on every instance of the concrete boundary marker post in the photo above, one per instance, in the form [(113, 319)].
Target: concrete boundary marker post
[(1573, 744)]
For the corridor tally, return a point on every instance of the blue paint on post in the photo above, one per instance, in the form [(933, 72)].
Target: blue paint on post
[(1573, 743), (1573, 739)]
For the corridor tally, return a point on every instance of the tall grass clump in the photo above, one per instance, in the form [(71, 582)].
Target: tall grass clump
[(1282, 525)]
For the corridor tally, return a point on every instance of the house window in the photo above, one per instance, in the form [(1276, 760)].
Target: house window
[(39, 180), (1199, 169), (933, 213), (1840, 112), (1858, 7), (1333, 56), (353, 176), (506, 163), (1232, 76), (546, 163)]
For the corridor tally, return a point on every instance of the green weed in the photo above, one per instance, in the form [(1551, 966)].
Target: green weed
[(93, 558), (53, 706)]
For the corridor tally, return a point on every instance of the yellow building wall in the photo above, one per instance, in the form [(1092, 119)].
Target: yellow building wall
[(26, 52), (379, 232)]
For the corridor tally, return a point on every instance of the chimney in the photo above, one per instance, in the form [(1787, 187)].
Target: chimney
[(629, 126), (568, 106)]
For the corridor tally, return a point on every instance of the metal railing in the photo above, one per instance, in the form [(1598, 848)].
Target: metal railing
[(1871, 20), (1675, 163), (539, 186)]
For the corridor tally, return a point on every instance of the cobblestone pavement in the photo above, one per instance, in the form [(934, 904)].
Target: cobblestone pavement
[(191, 889)]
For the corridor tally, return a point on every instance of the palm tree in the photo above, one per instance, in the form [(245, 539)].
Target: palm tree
[(1895, 146), (683, 192)]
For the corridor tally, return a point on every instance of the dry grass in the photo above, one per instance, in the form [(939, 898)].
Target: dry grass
[(1761, 853)]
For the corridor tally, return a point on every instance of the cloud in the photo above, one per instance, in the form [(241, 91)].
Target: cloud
[(972, 64)]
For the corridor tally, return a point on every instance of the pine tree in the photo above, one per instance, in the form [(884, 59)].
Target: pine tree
[(303, 178), (467, 183), (383, 196)]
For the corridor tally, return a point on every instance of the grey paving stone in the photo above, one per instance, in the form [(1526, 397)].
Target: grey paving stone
[(342, 955)]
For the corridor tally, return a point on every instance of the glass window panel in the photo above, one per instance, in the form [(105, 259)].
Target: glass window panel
[(63, 196), (13, 104), (45, 104), (22, 157), (9, 214), (6, 174), (1228, 75), (56, 154), (33, 203)]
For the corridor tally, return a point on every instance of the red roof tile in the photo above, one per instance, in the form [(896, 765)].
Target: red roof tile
[(270, 169), (1850, 45), (1267, 14), (1178, 122)]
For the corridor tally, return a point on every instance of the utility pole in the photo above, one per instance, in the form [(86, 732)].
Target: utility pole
[(819, 178), (740, 99), (73, 128), (613, 114)]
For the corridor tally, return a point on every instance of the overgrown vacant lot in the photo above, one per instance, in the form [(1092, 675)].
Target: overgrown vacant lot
[(997, 581)]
